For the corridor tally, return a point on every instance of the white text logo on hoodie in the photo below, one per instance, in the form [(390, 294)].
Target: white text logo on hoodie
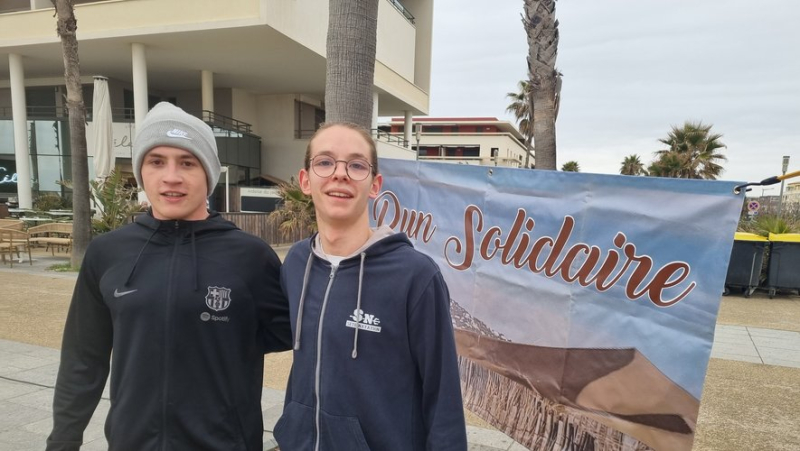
[(364, 321)]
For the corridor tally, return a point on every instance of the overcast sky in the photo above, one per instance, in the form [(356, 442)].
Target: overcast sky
[(634, 68)]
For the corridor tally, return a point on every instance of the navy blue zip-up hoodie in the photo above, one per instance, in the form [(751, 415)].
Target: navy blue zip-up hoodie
[(189, 308), (375, 363)]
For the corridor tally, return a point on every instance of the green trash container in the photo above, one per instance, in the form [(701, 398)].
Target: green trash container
[(783, 269), (744, 268)]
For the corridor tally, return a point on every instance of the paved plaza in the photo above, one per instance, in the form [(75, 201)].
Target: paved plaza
[(28, 372)]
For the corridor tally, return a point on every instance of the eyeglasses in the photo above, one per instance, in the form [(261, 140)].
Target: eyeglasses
[(357, 169)]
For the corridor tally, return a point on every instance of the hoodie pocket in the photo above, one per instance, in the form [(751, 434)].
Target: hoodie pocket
[(295, 430), (339, 433)]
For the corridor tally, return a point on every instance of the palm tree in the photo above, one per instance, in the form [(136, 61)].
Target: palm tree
[(66, 27), (666, 165), (520, 107), (632, 165), (350, 65), (571, 166), (295, 217), (692, 152), (545, 81)]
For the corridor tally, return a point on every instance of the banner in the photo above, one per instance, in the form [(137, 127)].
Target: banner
[(584, 305)]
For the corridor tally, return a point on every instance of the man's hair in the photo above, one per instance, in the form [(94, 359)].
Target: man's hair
[(373, 152)]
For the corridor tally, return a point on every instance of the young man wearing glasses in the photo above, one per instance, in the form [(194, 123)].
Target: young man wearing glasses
[(374, 356)]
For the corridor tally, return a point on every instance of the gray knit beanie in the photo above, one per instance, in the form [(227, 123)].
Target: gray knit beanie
[(168, 125)]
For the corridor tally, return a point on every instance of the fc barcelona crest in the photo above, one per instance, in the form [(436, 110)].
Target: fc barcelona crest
[(218, 298)]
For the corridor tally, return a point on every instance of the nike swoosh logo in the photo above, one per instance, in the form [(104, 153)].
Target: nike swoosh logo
[(119, 294), (178, 134)]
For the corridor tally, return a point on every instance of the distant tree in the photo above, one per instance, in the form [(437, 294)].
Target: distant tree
[(541, 27), (692, 152), (666, 165), (82, 221), (632, 165), (571, 166), (350, 65), (520, 107), (295, 217)]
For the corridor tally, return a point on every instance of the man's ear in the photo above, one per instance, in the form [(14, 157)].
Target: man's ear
[(375, 187), (305, 184)]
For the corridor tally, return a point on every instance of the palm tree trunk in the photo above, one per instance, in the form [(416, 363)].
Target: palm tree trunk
[(81, 226), (544, 123), (350, 73), (542, 29)]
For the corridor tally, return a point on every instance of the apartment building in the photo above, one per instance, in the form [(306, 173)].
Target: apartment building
[(483, 141), (253, 69)]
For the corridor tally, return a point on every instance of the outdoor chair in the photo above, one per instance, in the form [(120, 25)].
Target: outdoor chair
[(52, 235), (12, 242), (13, 224)]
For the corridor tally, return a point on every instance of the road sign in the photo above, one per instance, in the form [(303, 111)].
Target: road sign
[(753, 205)]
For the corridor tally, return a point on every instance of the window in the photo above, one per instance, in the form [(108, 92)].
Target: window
[(307, 119)]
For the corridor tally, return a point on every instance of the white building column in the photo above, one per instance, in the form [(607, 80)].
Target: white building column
[(374, 110), (408, 125), (19, 117), (140, 93), (207, 90), (41, 4)]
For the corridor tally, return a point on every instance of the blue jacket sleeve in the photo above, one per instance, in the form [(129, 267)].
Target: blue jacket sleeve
[(434, 349), (85, 362)]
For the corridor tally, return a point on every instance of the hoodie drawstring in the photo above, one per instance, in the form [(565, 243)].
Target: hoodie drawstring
[(358, 303), (299, 325), (136, 262)]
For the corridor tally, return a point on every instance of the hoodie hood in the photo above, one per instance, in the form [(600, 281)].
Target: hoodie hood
[(169, 230), (383, 240), (378, 234)]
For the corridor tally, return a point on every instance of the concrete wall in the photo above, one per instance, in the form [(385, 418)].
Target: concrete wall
[(281, 154)]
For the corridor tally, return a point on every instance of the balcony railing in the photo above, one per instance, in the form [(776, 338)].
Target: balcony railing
[(13, 6), (479, 161), (394, 138), (226, 122), (399, 6)]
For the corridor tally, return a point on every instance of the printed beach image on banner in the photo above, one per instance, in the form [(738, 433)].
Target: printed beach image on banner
[(584, 305)]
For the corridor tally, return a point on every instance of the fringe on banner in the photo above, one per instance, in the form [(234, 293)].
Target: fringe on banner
[(533, 421)]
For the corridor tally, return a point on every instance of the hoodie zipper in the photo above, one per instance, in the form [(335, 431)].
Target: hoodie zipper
[(318, 366), (167, 341)]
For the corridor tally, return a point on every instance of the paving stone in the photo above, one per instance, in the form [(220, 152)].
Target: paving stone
[(12, 389), (489, 438), (13, 416)]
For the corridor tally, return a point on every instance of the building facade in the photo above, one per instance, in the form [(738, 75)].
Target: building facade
[(253, 69), (483, 141)]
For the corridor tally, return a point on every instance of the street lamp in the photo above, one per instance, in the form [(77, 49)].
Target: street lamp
[(780, 199), (418, 136)]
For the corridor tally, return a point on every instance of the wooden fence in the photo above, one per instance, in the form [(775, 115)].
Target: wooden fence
[(258, 225)]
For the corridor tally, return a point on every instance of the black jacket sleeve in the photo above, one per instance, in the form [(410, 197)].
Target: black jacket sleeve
[(85, 361), (273, 308)]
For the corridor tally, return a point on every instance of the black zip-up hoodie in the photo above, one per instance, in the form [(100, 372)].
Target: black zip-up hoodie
[(189, 309)]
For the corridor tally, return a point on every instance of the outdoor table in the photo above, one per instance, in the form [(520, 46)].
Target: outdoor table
[(35, 219), (56, 213), (17, 212)]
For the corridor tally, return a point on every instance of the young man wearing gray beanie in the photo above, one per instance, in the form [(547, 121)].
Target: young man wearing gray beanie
[(188, 303)]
